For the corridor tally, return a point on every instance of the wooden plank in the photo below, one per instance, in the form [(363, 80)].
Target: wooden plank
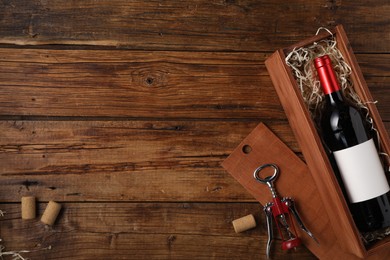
[(123, 160), (151, 84), (137, 85), (374, 65), (142, 231), (199, 25)]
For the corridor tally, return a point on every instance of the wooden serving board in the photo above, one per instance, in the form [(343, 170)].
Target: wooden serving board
[(262, 146)]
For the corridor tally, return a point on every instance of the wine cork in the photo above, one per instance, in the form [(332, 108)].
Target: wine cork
[(51, 212), (28, 207), (244, 223)]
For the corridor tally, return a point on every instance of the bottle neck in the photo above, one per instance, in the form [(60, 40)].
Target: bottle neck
[(335, 97)]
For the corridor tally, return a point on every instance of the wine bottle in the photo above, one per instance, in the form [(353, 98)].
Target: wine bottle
[(346, 134)]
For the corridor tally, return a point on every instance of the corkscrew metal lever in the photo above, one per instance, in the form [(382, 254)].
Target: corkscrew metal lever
[(280, 211)]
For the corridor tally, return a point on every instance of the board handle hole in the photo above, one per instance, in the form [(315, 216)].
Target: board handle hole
[(246, 149)]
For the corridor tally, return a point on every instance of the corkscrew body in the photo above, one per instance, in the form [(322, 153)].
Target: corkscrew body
[(280, 212)]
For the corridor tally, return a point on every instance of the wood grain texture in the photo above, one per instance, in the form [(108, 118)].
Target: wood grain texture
[(151, 84), (122, 160), (124, 110), (192, 25), (141, 231)]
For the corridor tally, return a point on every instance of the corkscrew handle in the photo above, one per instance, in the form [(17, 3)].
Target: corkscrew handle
[(269, 180)]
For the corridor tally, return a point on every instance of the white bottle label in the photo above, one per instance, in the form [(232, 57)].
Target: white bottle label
[(362, 172)]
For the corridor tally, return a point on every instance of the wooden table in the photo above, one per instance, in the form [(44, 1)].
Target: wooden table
[(123, 111)]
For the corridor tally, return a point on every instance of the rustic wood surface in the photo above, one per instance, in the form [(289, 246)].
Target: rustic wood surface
[(123, 112)]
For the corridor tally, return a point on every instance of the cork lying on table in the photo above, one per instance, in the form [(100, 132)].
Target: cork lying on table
[(244, 223), (51, 212), (28, 207)]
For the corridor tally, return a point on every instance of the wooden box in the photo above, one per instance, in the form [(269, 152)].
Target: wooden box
[(312, 149)]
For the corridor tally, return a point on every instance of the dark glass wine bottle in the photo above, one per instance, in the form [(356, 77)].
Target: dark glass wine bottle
[(346, 134)]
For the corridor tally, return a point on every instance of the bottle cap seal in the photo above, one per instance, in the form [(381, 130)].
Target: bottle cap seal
[(326, 74)]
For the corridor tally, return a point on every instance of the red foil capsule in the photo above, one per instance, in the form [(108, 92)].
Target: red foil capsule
[(326, 74)]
